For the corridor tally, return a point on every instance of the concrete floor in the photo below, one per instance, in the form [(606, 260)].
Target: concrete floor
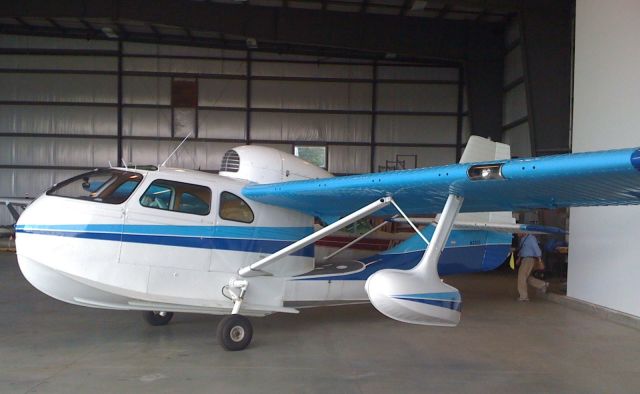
[(500, 346)]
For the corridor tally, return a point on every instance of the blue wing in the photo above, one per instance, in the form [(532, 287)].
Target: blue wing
[(581, 179)]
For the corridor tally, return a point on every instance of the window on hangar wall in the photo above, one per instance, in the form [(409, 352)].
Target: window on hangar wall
[(316, 155), (184, 105)]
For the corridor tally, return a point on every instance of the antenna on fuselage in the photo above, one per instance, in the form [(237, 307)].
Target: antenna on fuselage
[(175, 150)]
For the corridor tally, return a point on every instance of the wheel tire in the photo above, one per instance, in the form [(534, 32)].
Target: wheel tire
[(157, 318), (234, 332)]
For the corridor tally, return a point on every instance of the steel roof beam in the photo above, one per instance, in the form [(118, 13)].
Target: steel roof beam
[(411, 36)]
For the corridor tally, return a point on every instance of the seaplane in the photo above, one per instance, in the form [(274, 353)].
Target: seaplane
[(240, 243)]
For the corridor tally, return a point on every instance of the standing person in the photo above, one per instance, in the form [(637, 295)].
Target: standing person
[(528, 254)]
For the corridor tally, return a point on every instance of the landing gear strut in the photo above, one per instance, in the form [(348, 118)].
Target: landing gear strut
[(157, 318), (234, 332)]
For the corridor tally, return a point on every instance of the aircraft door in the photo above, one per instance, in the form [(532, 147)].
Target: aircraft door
[(169, 224)]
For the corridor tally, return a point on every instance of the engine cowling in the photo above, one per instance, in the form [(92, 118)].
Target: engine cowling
[(262, 164)]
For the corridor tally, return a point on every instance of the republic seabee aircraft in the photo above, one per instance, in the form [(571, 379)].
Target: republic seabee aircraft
[(241, 243)]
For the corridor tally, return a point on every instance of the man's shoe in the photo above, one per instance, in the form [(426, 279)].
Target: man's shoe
[(543, 289), (522, 299)]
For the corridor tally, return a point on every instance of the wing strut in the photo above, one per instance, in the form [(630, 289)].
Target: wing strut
[(418, 295), (347, 246), (255, 269)]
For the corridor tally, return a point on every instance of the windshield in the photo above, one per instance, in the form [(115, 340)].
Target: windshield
[(106, 186)]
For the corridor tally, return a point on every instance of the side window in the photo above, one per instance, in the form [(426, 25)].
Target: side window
[(234, 208), (158, 195), (191, 203), (177, 197)]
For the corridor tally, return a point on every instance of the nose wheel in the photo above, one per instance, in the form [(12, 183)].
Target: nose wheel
[(234, 332)]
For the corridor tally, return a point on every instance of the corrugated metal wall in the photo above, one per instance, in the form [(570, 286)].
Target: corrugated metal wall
[(64, 101), (515, 112)]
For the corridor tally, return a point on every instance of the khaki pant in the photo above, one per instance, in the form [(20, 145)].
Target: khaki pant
[(524, 277)]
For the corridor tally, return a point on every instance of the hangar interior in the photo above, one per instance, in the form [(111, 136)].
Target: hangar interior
[(369, 86)]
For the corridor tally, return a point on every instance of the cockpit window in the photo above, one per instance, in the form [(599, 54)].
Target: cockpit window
[(178, 197), (107, 186), (234, 208)]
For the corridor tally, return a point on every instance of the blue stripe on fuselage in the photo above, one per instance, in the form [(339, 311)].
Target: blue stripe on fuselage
[(234, 238), (272, 233)]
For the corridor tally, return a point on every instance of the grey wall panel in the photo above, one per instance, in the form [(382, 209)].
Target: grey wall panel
[(466, 128), (221, 124), (515, 104), (519, 139), (465, 100), (26, 151), (513, 32), (427, 157), (221, 92), (311, 95), (57, 152), (58, 88), (416, 129), (146, 90), (25, 183), (58, 119), (418, 72), (272, 69), (5, 220), (288, 148), (30, 183), (310, 127), (513, 65), (416, 97), (30, 62), (184, 122), (349, 159), (35, 42), (199, 66), (94, 153), (304, 58), (175, 50), (192, 155), (147, 122)]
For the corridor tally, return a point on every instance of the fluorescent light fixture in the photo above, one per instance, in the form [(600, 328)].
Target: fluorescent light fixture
[(109, 32), (390, 55), (252, 43), (419, 5)]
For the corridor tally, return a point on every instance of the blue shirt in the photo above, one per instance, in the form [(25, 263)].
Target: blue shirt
[(529, 247)]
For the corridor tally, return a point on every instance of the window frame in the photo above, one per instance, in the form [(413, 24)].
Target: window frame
[(174, 186), (113, 171)]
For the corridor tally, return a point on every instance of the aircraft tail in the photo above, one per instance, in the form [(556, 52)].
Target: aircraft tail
[(480, 149)]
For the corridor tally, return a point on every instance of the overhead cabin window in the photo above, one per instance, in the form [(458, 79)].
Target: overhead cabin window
[(177, 197), (234, 208), (107, 186), (484, 172)]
